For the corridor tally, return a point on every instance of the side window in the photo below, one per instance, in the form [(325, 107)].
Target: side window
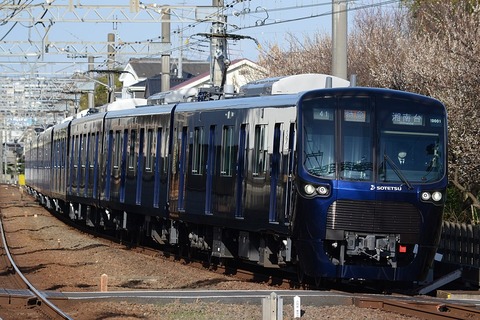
[(75, 152), (197, 151), (227, 160), (164, 143), (55, 154), (83, 151), (62, 153), (260, 151), (148, 151), (91, 150), (116, 150), (110, 157), (132, 158), (158, 151)]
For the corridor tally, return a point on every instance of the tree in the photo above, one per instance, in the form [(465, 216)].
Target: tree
[(312, 56), (101, 92)]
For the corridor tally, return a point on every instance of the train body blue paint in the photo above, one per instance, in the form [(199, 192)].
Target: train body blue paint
[(312, 181)]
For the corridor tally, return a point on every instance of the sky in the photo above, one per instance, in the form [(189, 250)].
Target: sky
[(263, 22)]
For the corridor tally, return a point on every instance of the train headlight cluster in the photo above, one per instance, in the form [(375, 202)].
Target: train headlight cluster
[(426, 196), (435, 196), (322, 190), (309, 189)]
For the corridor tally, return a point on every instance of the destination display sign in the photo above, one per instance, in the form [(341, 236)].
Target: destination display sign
[(355, 115), (407, 119)]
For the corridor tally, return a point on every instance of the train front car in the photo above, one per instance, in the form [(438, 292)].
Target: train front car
[(371, 179)]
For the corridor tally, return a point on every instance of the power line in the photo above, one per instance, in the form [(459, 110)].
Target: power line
[(318, 15), (237, 29)]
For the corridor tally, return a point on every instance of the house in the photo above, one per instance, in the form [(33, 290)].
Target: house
[(139, 74), (142, 78)]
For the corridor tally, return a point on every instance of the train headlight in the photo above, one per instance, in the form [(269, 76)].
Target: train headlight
[(426, 196), (322, 190), (309, 189), (437, 196)]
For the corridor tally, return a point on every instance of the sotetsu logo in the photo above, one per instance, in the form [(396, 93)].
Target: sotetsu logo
[(385, 188)]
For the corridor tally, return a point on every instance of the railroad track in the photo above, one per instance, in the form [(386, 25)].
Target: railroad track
[(421, 309), (18, 293)]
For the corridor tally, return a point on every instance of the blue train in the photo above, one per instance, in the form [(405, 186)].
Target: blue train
[(344, 183)]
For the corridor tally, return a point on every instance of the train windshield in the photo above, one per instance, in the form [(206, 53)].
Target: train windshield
[(319, 128), (319, 137), (411, 142), (362, 138), (356, 139)]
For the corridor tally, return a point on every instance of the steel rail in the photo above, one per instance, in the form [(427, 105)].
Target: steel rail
[(47, 306), (422, 310)]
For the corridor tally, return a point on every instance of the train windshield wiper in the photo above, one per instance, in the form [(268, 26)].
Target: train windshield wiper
[(316, 157), (398, 172)]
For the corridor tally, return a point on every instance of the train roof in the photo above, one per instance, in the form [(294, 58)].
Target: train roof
[(240, 103), (233, 103), (279, 100), (61, 125), (292, 84), (89, 117), (385, 92), (141, 111)]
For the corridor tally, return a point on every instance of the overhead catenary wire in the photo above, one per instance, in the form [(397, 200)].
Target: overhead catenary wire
[(236, 29), (194, 44), (383, 3)]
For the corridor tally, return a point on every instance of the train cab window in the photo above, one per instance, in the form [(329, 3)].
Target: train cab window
[(198, 154), (357, 139), (227, 160), (260, 151), (149, 151), (319, 137), (131, 153), (411, 143)]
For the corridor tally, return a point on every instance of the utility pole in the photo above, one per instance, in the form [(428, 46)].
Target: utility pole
[(219, 61), (110, 62), (165, 86), (90, 93), (180, 55), (339, 38)]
